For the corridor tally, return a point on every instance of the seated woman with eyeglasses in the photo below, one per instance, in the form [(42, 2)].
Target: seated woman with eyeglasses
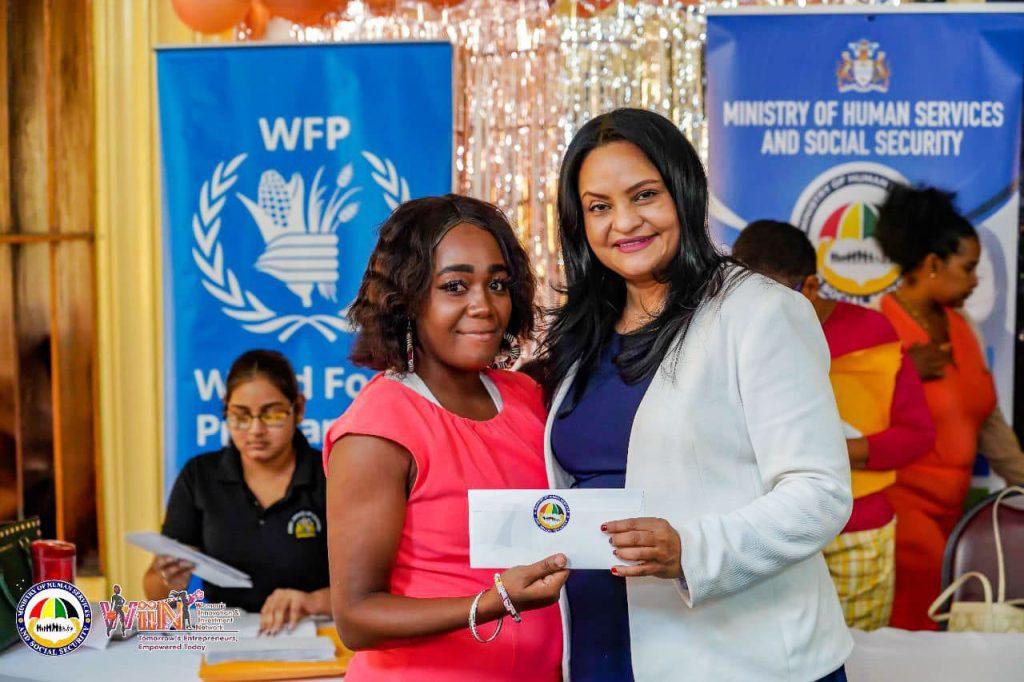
[(257, 504)]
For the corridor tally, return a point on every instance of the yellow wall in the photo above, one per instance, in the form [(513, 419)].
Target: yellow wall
[(128, 277)]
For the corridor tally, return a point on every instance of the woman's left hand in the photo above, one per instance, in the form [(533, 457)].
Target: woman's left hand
[(653, 542), (282, 607)]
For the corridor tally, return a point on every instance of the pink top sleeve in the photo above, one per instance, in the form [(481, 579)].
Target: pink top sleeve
[(383, 410), (911, 432)]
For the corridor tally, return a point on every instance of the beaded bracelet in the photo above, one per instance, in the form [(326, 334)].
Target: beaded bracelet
[(472, 621), (505, 599)]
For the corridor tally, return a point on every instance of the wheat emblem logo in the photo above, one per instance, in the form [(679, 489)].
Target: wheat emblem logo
[(300, 237)]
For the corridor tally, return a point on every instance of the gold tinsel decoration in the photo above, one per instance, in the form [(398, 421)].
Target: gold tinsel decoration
[(528, 74)]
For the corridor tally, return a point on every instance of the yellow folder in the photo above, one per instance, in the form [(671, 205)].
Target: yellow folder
[(246, 671)]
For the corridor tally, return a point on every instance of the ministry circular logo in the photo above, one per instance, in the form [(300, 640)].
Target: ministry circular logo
[(551, 513), (839, 210), (53, 617)]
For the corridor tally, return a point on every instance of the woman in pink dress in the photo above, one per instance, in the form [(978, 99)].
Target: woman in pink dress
[(448, 291)]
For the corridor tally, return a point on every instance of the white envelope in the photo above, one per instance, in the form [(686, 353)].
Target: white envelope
[(515, 527)]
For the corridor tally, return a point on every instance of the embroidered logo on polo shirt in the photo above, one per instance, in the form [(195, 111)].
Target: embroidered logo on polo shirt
[(551, 513), (304, 524)]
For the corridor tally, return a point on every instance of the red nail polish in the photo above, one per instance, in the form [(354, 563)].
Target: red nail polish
[(604, 526), (614, 572)]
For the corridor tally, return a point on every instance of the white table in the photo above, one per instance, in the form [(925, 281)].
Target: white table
[(120, 660), (905, 656), (880, 656)]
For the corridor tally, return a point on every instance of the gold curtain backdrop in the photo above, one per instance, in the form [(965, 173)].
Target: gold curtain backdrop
[(528, 74)]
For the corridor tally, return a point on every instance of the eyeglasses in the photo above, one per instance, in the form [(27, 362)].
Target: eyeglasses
[(273, 419)]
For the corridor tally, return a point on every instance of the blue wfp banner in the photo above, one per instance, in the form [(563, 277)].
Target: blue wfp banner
[(279, 164), (813, 115)]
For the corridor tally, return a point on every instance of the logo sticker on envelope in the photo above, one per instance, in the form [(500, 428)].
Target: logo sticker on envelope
[(551, 513), (514, 527)]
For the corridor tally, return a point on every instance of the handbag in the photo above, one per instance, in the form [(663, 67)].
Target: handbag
[(15, 572), (1001, 615)]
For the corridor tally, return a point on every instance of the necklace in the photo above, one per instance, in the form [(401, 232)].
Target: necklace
[(635, 320), (918, 316)]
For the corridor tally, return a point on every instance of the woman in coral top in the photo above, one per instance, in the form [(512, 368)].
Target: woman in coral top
[(448, 289), (938, 252)]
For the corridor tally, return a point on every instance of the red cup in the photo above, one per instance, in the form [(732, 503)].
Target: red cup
[(53, 560)]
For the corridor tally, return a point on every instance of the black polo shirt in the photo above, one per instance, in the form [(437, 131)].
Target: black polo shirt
[(283, 546)]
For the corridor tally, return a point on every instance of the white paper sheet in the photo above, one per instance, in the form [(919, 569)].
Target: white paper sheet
[(248, 626), (292, 649), (206, 567), (515, 527)]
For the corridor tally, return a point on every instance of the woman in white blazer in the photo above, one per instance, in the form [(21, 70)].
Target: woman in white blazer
[(671, 370)]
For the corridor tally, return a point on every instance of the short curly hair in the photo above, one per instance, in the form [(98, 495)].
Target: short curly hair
[(396, 283), (776, 249), (916, 221)]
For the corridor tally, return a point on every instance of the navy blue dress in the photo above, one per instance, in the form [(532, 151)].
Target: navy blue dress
[(590, 444)]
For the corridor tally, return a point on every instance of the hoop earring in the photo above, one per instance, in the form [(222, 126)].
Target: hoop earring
[(507, 359), (410, 356)]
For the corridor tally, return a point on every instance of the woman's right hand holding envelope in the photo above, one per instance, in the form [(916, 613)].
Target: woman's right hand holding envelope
[(533, 586)]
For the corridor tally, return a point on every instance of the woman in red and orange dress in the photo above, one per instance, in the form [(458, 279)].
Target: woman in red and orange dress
[(938, 251)]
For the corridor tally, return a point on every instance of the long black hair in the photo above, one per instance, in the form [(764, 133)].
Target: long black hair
[(267, 364), (594, 295)]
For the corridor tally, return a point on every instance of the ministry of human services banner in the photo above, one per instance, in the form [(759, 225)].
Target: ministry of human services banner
[(813, 115), (279, 164)]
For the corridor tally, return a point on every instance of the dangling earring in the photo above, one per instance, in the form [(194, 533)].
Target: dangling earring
[(410, 356), (514, 350), (508, 359)]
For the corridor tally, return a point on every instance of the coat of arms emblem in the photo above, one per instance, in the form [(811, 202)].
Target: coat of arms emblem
[(863, 68)]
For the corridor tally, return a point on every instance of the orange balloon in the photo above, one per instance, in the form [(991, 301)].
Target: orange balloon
[(305, 12), (584, 9), (589, 8), (381, 6), (257, 19), (211, 16)]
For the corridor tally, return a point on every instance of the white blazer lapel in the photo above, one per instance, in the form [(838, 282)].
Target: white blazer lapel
[(557, 477)]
